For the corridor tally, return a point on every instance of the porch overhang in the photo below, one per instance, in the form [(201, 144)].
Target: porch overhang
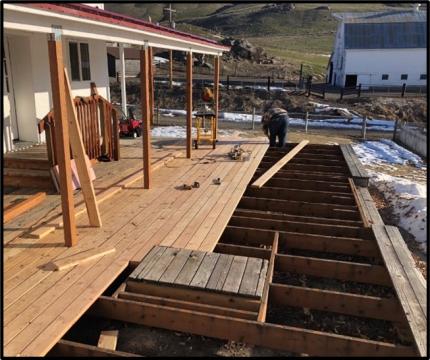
[(90, 23)]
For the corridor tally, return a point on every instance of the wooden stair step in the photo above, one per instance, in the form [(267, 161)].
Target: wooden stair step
[(25, 163)]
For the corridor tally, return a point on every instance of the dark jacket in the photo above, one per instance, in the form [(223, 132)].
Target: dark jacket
[(271, 115)]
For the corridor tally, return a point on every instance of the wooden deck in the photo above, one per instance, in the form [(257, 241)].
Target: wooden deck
[(40, 305), (168, 266)]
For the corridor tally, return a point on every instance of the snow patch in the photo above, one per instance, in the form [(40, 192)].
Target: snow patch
[(409, 202), (385, 151)]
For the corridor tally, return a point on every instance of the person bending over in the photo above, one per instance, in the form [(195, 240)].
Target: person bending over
[(275, 125)]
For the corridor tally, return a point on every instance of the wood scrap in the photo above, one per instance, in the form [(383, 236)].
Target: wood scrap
[(278, 165), (108, 339), (14, 210), (80, 258)]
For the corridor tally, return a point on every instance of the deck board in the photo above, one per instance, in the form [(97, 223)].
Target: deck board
[(210, 271), (39, 312)]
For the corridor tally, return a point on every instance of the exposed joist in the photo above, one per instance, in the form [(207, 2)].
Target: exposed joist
[(342, 270), (66, 348), (242, 250), (193, 295), (261, 334), (300, 208), (338, 302), (190, 305), (313, 196), (296, 226), (262, 312), (276, 167)]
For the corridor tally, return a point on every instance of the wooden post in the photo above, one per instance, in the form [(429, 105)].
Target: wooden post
[(189, 101), (151, 86), (171, 69), (146, 113), (324, 88), (363, 129), (115, 134), (306, 121), (359, 90), (79, 156), (403, 89), (341, 93), (268, 84), (123, 83), (56, 66), (301, 76), (253, 118), (228, 82), (216, 94), (396, 124), (309, 84)]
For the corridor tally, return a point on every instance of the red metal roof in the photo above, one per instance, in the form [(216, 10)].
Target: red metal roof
[(92, 13)]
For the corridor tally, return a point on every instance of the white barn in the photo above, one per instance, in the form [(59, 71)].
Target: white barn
[(379, 49)]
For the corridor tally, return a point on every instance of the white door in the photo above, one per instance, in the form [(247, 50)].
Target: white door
[(8, 91)]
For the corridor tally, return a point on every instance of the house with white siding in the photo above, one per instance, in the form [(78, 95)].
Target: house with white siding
[(379, 49), (84, 30)]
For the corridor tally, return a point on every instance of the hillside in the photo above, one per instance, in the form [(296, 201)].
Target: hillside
[(302, 35)]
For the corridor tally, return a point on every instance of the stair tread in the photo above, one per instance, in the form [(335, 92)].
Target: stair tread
[(26, 172)]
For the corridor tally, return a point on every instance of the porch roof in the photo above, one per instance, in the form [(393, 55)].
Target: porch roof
[(81, 20)]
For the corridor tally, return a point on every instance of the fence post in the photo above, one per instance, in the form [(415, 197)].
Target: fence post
[(396, 124), (341, 94), (403, 89), (268, 84), (363, 129), (228, 82), (301, 76), (359, 90), (309, 84), (306, 121), (253, 118)]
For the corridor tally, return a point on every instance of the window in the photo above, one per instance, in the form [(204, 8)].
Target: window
[(423, 77), (79, 61), (404, 77), (384, 76)]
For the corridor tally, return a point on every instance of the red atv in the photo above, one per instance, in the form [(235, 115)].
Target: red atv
[(129, 126)]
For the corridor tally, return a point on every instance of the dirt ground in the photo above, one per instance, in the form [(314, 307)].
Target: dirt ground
[(410, 109), (148, 341)]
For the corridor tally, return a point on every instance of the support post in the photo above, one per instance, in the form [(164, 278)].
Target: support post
[(56, 66), (403, 89), (146, 113), (189, 101), (151, 86), (359, 90), (324, 88), (363, 129), (396, 124), (228, 82), (216, 94), (171, 69), (268, 84), (306, 121), (123, 86)]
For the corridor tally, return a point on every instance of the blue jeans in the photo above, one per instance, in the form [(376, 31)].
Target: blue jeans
[(278, 128)]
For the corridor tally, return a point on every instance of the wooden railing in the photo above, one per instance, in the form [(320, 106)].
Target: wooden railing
[(99, 124)]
